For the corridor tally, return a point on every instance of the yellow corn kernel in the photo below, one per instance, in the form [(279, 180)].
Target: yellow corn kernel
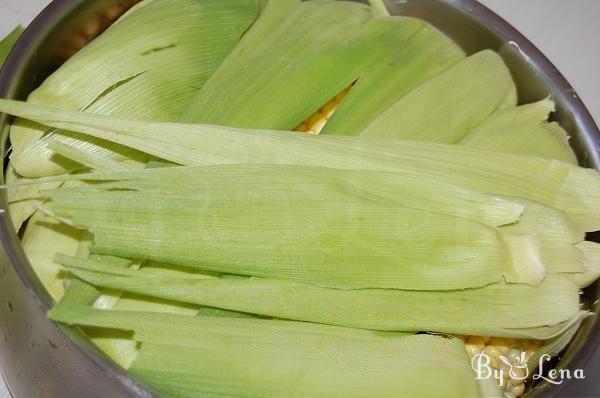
[(315, 123), (302, 127), (518, 390), (329, 108), (509, 349), (472, 350)]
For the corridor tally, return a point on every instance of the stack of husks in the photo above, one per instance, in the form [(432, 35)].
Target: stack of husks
[(168, 197)]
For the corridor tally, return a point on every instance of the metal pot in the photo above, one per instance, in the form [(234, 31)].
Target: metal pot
[(41, 359)]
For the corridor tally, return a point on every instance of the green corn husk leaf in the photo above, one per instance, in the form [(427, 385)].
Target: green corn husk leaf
[(329, 370), (108, 299), (554, 346), (221, 313), (525, 264), (323, 382), (427, 53), (307, 244), (590, 252), (274, 234), (159, 163), (260, 187), (243, 184), (159, 331), (129, 84), (566, 187), (450, 105), (314, 51), (159, 270), (8, 43), (118, 345), (502, 310), (379, 8), (23, 200), (85, 294), (44, 236), (81, 293), (258, 34), (265, 358), (157, 327), (77, 291), (555, 233), (98, 263), (157, 73), (488, 388), (85, 158), (523, 130), (24, 196)]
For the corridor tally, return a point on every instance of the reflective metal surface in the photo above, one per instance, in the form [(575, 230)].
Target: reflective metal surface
[(40, 359)]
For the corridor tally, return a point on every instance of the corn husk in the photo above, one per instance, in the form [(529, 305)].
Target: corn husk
[(245, 357), (156, 76), (450, 105), (23, 200), (159, 270), (590, 252), (373, 243), (86, 158), (271, 371), (427, 53), (41, 241), (554, 346), (80, 293), (253, 184), (540, 234), (155, 327), (525, 262), (555, 233), (118, 345), (221, 313), (488, 388), (157, 73), (45, 236), (379, 8), (299, 58), (503, 310), (523, 130), (569, 188)]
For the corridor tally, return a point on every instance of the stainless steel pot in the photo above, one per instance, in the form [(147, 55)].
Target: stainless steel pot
[(41, 359)]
